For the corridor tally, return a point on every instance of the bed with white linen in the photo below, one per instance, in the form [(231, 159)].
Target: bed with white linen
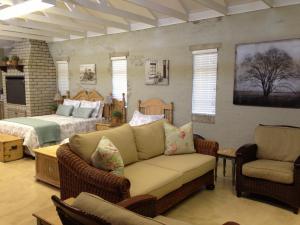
[(68, 127)]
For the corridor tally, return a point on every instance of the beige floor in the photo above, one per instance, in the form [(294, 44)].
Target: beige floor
[(21, 195)]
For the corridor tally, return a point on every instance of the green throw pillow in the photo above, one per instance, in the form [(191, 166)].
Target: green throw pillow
[(179, 140), (107, 157), (64, 110), (83, 112)]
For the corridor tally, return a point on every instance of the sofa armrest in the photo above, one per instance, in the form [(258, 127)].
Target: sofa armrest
[(246, 153), (143, 204), (205, 146), (297, 172), (77, 176)]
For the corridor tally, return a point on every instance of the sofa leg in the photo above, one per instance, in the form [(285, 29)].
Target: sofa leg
[(295, 210), (210, 187), (238, 194)]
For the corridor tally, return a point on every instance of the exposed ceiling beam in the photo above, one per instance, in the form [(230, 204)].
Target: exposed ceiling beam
[(31, 31), (64, 23), (150, 4), (75, 14), (116, 12), (3, 37), (269, 3), (22, 35), (211, 4), (46, 27)]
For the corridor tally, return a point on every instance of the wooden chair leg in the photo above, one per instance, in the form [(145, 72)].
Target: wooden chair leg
[(216, 169), (224, 167)]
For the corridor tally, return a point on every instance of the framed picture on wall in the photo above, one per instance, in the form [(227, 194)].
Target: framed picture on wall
[(88, 74), (268, 74), (157, 72)]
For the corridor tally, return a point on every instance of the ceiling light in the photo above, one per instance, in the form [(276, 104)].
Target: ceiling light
[(25, 8)]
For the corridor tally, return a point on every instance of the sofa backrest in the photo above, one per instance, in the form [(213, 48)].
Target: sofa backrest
[(280, 143), (122, 137), (150, 139)]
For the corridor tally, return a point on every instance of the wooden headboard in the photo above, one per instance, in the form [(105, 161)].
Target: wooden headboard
[(88, 96), (108, 108), (155, 106)]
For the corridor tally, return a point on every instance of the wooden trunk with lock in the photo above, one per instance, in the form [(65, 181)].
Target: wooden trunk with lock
[(11, 148)]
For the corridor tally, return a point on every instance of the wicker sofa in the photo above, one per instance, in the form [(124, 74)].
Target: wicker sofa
[(271, 166), (169, 178), (88, 209)]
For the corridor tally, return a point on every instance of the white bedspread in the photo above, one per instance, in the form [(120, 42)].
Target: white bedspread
[(68, 127)]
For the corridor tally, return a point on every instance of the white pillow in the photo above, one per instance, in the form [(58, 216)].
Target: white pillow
[(89, 104), (140, 119), (74, 103)]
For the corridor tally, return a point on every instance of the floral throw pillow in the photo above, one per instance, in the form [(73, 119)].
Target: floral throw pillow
[(179, 140), (107, 157)]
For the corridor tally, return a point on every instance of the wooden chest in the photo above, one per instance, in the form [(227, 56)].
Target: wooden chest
[(11, 148), (46, 165)]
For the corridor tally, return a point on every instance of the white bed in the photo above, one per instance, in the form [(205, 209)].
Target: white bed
[(68, 127)]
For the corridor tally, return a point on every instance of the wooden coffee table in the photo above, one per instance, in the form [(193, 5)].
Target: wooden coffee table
[(49, 216), (47, 165)]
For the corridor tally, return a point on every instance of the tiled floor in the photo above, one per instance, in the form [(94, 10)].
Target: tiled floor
[(21, 195)]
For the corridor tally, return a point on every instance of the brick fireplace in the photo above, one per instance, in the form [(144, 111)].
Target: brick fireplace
[(39, 76)]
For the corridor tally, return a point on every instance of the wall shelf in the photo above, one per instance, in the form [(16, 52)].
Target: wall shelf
[(18, 67)]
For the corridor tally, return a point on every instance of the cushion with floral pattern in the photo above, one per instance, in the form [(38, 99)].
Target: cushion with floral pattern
[(139, 118), (179, 140), (107, 157)]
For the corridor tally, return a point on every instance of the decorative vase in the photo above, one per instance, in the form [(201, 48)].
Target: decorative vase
[(115, 121)]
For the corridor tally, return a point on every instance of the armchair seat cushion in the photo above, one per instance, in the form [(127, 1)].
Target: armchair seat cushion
[(276, 171), (152, 180), (190, 166)]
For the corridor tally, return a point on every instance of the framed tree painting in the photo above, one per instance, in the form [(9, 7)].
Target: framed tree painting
[(268, 74), (88, 74)]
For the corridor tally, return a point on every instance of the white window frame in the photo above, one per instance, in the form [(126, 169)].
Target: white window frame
[(64, 87), (204, 76), (117, 88)]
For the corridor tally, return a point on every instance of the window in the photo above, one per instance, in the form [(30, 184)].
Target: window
[(119, 77), (204, 82), (63, 77)]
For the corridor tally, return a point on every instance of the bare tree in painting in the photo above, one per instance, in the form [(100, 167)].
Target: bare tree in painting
[(270, 70)]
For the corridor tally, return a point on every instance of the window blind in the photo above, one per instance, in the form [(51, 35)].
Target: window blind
[(204, 82), (119, 77), (62, 77)]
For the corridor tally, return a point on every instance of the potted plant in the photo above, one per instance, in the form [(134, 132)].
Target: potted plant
[(116, 118), (5, 59), (53, 108), (15, 60)]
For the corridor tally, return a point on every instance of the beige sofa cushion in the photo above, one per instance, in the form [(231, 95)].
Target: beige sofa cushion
[(278, 143), (150, 139), (191, 166), (153, 180), (277, 171), (170, 221), (122, 137), (109, 212)]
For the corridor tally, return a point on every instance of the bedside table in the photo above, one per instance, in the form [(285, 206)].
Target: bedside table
[(105, 126)]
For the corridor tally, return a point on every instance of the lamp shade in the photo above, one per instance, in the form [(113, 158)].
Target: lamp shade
[(108, 99), (57, 97)]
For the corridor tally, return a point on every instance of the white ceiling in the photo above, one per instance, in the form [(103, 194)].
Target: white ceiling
[(84, 18)]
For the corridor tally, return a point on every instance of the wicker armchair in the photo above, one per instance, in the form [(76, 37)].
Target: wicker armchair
[(77, 176), (265, 183), (143, 205)]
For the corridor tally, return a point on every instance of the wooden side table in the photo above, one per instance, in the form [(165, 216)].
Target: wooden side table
[(46, 165), (49, 216), (228, 153)]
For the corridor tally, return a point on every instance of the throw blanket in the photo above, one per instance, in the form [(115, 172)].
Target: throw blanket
[(47, 131)]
